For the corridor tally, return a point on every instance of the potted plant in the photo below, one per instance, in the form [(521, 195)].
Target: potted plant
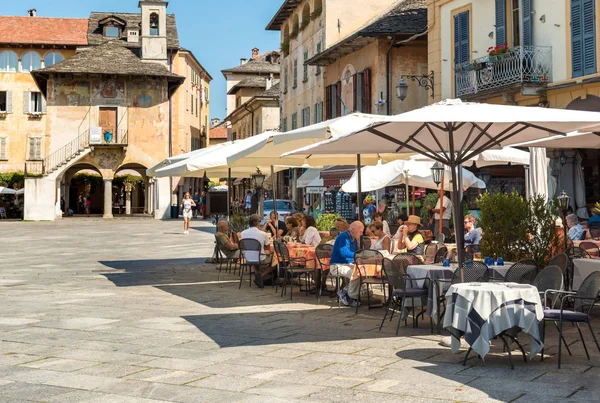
[(304, 24), (495, 53), (315, 14), (294, 33)]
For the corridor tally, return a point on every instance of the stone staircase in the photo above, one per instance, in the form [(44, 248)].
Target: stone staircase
[(60, 157)]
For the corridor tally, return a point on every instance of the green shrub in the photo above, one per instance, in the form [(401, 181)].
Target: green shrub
[(239, 222), (430, 200), (14, 180), (545, 238), (326, 221)]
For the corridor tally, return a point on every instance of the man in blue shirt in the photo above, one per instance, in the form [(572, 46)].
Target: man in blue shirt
[(472, 235), (342, 261)]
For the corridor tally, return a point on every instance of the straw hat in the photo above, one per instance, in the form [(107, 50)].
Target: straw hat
[(414, 219), (597, 208)]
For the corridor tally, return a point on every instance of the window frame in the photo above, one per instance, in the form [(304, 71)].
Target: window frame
[(111, 27), (7, 67), (34, 153), (53, 54), (154, 31), (31, 67), (4, 148)]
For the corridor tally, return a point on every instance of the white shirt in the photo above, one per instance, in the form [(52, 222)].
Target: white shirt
[(311, 237), (386, 228), (447, 214), (260, 236)]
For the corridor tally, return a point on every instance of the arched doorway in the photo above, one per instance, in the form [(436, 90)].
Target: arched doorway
[(130, 190), (82, 182)]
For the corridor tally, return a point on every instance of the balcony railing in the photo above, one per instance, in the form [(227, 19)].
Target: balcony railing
[(113, 139), (519, 65)]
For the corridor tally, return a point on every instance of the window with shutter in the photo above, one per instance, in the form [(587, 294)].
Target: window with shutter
[(500, 22), (355, 93), (318, 51), (328, 103), (294, 121), (583, 38), (285, 81), (461, 40), (305, 77), (35, 149), (295, 74), (515, 21), (3, 101), (26, 101), (3, 150), (9, 102), (338, 103), (36, 103), (366, 91), (284, 125), (527, 23)]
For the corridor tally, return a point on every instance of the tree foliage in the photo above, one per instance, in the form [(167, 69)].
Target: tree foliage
[(14, 180)]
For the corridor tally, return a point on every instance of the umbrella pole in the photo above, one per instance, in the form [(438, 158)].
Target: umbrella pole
[(456, 205), (407, 195), (413, 201), (274, 184), (359, 193), (229, 195), (441, 224)]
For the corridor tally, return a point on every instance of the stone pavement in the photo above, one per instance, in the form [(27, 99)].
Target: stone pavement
[(126, 311)]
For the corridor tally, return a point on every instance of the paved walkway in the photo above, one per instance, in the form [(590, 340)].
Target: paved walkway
[(126, 311)]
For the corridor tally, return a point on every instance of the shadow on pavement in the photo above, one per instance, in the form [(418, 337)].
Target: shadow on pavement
[(154, 271)]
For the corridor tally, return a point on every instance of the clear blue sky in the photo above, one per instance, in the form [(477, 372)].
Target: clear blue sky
[(219, 32)]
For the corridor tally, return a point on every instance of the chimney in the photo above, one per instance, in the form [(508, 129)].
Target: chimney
[(254, 53), (32, 12), (243, 61)]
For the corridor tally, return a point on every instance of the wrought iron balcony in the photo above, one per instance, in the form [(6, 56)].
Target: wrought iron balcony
[(521, 65), (119, 138)]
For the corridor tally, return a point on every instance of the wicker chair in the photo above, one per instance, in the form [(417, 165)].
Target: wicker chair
[(440, 255), (522, 272), (364, 257), (292, 268), (573, 252), (401, 287), (591, 248), (430, 252), (583, 301), (440, 238), (323, 253)]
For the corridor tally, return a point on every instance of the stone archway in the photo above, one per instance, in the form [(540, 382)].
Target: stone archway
[(83, 180), (131, 190), (591, 103)]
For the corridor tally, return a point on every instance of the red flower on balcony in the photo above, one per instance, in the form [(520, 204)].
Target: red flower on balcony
[(497, 50)]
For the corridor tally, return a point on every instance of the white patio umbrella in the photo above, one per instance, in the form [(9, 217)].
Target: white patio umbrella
[(176, 158), (507, 155), (7, 191), (538, 175), (452, 132), (571, 140), (309, 176)]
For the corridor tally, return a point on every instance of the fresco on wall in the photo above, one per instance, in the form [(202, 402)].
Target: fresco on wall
[(147, 93), (108, 92), (69, 92)]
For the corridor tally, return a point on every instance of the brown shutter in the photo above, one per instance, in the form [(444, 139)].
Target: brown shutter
[(355, 93), (338, 98), (328, 110), (366, 105)]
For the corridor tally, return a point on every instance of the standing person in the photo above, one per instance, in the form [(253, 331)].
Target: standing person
[(248, 201), (186, 206), (203, 205), (88, 205), (196, 200), (446, 211), (80, 204)]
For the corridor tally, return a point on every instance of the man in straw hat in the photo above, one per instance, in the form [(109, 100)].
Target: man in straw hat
[(595, 218), (410, 238)]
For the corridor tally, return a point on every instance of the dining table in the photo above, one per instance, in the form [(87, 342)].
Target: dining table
[(480, 312), (299, 250)]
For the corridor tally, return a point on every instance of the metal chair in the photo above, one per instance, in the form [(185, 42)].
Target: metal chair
[(251, 253), (551, 278), (323, 253), (440, 238), (235, 237), (522, 272), (448, 234), (400, 288), (369, 257), (591, 248), (562, 261), (573, 252), (292, 267), (583, 301), (440, 254), (365, 242), (431, 252)]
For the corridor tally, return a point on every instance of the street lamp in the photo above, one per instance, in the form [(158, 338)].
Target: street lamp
[(485, 176), (402, 90), (259, 179), (563, 201), (436, 173)]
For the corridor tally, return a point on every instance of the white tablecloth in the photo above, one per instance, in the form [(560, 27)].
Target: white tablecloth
[(481, 311), (583, 268)]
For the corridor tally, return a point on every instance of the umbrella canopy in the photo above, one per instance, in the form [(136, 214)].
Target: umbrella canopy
[(507, 155), (7, 191), (538, 175), (571, 140), (452, 132), (309, 176), (393, 173), (196, 153)]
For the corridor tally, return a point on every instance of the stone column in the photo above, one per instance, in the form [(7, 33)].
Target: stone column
[(67, 196), (128, 202), (108, 198), (150, 195)]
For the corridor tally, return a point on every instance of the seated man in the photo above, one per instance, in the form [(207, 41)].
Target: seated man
[(575, 229), (342, 261), (254, 232), (269, 226), (472, 235), (228, 248)]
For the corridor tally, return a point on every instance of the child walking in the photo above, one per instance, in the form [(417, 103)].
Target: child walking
[(187, 205)]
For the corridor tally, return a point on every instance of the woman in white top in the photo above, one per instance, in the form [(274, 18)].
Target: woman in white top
[(311, 234), (186, 206), (378, 217), (383, 241)]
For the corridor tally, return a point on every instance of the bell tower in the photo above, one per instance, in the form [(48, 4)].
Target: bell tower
[(154, 31)]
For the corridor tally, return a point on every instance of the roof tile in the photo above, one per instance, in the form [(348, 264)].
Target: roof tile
[(43, 30)]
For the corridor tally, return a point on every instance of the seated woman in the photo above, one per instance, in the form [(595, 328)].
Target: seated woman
[(378, 217), (293, 230), (299, 217), (311, 234), (411, 238), (383, 241)]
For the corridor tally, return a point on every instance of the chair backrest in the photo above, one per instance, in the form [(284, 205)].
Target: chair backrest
[(409, 257), (250, 250), (588, 292), (447, 233), (551, 278), (431, 252), (583, 235), (334, 232), (235, 237), (522, 272), (402, 262), (440, 238), (575, 252), (472, 271), (561, 261), (393, 274), (366, 242), (472, 249), (595, 232), (363, 257), (440, 254), (323, 253), (591, 248)]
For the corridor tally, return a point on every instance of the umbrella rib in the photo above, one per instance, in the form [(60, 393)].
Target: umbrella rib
[(412, 136), (491, 138), (437, 141), (461, 124), (402, 144), (437, 126), (499, 138), (462, 149), (482, 132), (543, 128)]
